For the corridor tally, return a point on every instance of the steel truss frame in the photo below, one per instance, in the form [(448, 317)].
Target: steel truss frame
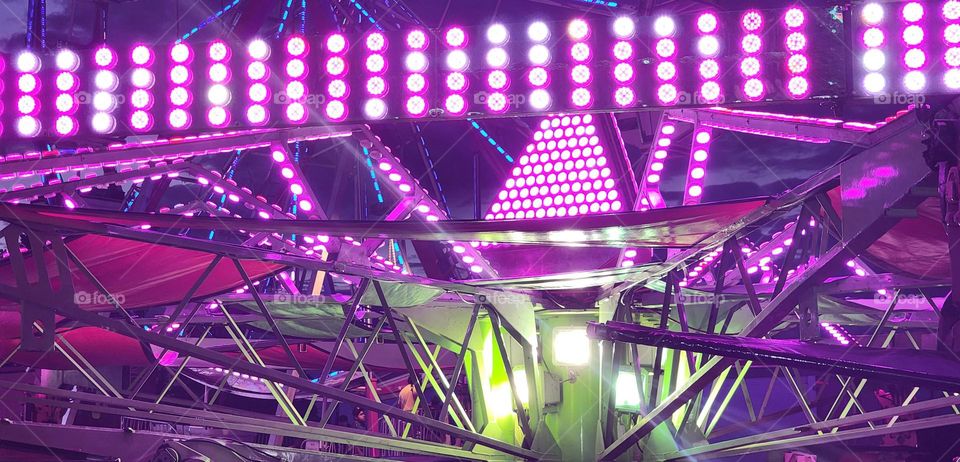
[(699, 401)]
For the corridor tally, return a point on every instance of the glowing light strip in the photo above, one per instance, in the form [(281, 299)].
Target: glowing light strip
[(697, 167), (476, 126), (283, 17), (206, 22), (653, 172)]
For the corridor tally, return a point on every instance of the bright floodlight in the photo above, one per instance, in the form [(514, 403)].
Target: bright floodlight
[(707, 23), (794, 18), (104, 102), (912, 12), (457, 60), (497, 57), (497, 34), (874, 59), (67, 60), (375, 108), (296, 46), (259, 50), (103, 123), (578, 29), (180, 53), (218, 51), (106, 80), (571, 346), (951, 79), (141, 78), (914, 81), (218, 95), (66, 126), (28, 126), (624, 27), (376, 42), (627, 394), (336, 43), (105, 57), (951, 10), (455, 104), (417, 40), (141, 55), (664, 26), (540, 99), (708, 45), (217, 116), (872, 14), (538, 31), (179, 118), (455, 37), (28, 63), (539, 55), (874, 82), (416, 62), (256, 114)]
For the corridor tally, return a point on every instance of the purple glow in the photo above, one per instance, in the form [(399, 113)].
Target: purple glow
[(707, 23), (751, 21), (455, 37), (417, 40)]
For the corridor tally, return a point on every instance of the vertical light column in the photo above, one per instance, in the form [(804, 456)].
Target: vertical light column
[(257, 74), (751, 44), (415, 81), (498, 82), (142, 80), (914, 56), (697, 168), (539, 56), (65, 102), (624, 73), (28, 86), (650, 197), (664, 27), (106, 82), (375, 106), (951, 34), (457, 63), (581, 54), (798, 65), (874, 59), (708, 46), (219, 94), (296, 70), (181, 79)]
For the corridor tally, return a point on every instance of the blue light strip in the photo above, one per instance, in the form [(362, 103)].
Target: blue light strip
[(396, 248), (601, 3), (373, 174), (206, 22), (490, 140), (303, 16), (283, 17), (433, 171), (365, 13)]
